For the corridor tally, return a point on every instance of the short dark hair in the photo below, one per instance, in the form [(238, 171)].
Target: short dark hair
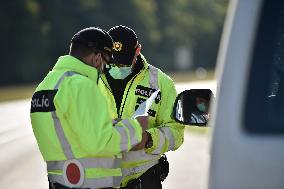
[(90, 40), (80, 50)]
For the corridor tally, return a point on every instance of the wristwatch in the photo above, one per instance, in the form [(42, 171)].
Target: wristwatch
[(149, 142)]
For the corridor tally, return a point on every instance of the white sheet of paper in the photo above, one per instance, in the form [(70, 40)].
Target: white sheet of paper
[(143, 108)]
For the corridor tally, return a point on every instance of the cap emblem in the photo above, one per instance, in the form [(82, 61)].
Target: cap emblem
[(117, 46)]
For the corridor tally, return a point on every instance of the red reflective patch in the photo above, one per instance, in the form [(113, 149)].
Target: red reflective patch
[(73, 173)]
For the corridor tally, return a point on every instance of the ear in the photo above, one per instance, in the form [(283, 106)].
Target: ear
[(97, 57), (138, 50)]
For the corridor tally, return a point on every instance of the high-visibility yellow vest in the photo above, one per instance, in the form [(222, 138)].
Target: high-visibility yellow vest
[(166, 133), (72, 125)]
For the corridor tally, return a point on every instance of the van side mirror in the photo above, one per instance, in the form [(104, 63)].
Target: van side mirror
[(192, 107)]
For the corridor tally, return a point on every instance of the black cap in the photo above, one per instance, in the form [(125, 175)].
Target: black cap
[(125, 43), (95, 38)]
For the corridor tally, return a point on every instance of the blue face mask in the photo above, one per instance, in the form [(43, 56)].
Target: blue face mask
[(120, 73), (201, 107)]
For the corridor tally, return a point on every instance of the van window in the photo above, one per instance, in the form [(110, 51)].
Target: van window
[(264, 105)]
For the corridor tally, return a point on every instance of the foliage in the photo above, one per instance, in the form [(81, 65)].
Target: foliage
[(35, 32)]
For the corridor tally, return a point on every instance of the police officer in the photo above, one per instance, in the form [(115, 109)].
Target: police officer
[(127, 84), (71, 122)]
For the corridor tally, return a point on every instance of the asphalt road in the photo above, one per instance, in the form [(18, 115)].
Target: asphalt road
[(21, 165)]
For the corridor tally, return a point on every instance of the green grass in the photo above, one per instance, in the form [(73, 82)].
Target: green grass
[(16, 92)]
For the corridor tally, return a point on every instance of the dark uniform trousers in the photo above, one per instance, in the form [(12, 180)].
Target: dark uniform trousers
[(149, 180)]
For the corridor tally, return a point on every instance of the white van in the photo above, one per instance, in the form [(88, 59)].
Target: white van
[(248, 119), (247, 146)]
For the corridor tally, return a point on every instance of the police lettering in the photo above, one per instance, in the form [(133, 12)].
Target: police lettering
[(147, 92), (42, 101), (140, 100)]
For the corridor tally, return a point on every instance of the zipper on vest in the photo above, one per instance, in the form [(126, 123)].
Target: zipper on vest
[(117, 111), (124, 99)]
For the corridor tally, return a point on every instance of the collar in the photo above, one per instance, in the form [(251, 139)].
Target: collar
[(70, 63), (142, 59)]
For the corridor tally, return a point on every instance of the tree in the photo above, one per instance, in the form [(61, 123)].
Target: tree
[(35, 32)]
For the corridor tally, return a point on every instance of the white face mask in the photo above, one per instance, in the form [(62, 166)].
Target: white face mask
[(120, 73)]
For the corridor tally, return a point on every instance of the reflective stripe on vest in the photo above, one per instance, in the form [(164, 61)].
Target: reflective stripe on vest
[(123, 135), (164, 131), (91, 182), (168, 134), (140, 155), (123, 138), (111, 163), (133, 139), (138, 169), (161, 143), (66, 147), (153, 77)]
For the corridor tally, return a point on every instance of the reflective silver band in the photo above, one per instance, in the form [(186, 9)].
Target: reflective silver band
[(66, 147), (66, 74), (61, 137), (90, 182), (133, 139), (123, 138), (138, 169), (139, 155), (111, 163), (116, 181), (111, 181), (161, 143), (153, 77), (167, 132)]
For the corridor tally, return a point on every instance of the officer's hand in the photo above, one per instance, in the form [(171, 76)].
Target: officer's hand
[(143, 120), (141, 145)]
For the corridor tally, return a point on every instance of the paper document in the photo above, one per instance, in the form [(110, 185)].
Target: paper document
[(143, 108)]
